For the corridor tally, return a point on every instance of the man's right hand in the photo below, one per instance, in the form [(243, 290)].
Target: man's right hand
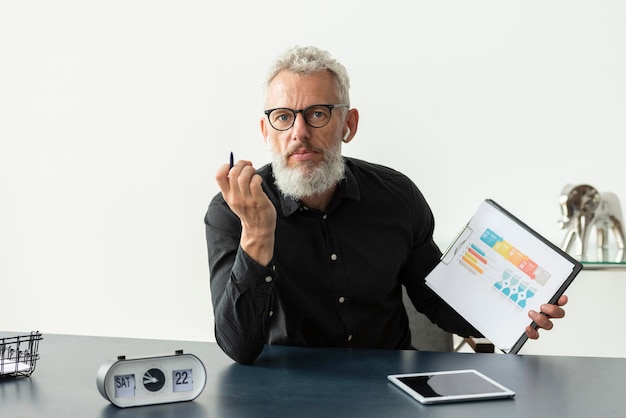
[(241, 189)]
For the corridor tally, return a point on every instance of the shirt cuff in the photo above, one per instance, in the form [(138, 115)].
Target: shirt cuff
[(247, 273)]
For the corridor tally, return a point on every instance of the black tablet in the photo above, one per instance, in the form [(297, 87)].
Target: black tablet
[(450, 386)]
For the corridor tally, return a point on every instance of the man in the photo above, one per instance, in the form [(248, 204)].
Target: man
[(313, 249)]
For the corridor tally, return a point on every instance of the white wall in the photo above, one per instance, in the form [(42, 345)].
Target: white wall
[(115, 115), (594, 319)]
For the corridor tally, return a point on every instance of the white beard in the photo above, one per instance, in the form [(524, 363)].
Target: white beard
[(307, 179)]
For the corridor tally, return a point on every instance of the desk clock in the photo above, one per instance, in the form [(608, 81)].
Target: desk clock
[(151, 380)]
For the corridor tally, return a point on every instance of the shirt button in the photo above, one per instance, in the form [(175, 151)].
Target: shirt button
[(325, 217), (333, 257), (342, 299), (271, 313), (350, 337), (268, 279)]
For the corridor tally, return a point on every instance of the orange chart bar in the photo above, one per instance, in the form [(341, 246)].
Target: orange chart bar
[(472, 264)]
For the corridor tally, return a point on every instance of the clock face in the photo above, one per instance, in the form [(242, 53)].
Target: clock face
[(153, 380)]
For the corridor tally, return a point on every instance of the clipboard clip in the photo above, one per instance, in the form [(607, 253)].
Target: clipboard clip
[(457, 243)]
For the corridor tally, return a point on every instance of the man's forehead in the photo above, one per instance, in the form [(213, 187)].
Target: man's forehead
[(318, 87)]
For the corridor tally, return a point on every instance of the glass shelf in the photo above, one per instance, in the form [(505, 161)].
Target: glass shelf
[(607, 259), (603, 265)]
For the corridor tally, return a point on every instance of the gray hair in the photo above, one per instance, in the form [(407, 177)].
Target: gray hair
[(308, 60)]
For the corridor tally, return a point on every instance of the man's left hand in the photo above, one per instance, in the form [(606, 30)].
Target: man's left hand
[(544, 318)]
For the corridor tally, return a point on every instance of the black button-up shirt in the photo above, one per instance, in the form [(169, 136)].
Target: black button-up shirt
[(335, 279)]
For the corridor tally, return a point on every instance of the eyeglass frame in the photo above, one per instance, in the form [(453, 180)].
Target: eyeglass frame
[(295, 112)]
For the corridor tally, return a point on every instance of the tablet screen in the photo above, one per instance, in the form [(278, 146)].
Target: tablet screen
[(450, 386)]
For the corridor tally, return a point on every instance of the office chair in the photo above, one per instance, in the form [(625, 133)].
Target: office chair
[(426, 336)]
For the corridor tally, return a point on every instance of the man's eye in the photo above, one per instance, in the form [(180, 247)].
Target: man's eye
[(281, 116), (318, 113)]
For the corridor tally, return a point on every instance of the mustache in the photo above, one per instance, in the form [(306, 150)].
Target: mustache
[(299, 145)]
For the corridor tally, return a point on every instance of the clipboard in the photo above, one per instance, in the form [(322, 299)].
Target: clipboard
[(496, 270)]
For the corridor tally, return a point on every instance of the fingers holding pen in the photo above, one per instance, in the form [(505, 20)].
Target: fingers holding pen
[(241, 177), (241, 188), (223, 176), (229, 176)]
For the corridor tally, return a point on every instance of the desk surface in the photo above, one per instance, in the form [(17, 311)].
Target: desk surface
[(300, 382)]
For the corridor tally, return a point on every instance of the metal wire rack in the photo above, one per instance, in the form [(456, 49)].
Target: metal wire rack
[(19, 354)]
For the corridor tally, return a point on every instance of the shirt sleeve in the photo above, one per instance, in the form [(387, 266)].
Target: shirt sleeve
[(242, 290), (428, 302), (424, 256)]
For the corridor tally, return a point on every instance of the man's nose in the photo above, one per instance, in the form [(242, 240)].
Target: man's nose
[(300, 129)]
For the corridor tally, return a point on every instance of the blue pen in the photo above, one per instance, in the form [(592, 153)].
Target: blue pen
[(232, 160)]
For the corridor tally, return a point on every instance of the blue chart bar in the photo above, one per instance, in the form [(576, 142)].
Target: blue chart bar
[(478, 250)]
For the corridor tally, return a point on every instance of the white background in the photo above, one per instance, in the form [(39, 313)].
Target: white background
[(115, 115)]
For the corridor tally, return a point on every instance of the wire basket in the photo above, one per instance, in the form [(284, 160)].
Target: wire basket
[(19, 355)]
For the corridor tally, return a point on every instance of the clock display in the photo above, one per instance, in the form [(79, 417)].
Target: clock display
[(125, 386), (182, 380)]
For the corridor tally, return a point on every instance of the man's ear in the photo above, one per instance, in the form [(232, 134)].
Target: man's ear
[(352, 122), (265, 133)]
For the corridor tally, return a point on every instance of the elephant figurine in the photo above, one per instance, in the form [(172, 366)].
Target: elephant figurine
[(584, 208)]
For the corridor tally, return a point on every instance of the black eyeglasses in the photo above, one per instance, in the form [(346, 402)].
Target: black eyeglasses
[(316, 116)]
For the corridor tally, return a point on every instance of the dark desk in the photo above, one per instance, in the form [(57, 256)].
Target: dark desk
[(299, 382)]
